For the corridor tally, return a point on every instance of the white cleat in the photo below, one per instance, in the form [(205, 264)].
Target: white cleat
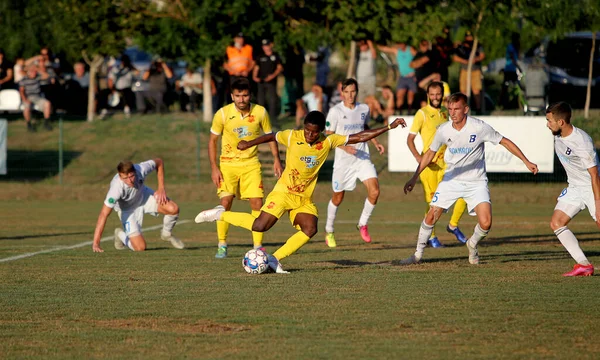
[(275, 265), (210, 215), (175, 242), (413, 259), (118, 243), (473, 254)]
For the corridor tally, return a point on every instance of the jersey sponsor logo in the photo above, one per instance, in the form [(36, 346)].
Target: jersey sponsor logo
[(310, 161), (472, 138), (242, 132), (563, 193), (354, 127), (460, 150), (111, 200), (271, 205)]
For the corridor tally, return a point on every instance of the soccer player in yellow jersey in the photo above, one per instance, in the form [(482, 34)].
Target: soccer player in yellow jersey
[(426, 122), (307, 151), (239, 172)]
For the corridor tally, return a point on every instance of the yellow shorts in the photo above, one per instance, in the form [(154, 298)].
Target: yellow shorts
[(277, 203), (430, 178), (245, 182)]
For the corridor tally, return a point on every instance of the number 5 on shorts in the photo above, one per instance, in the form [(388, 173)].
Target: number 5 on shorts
[(435, 197)]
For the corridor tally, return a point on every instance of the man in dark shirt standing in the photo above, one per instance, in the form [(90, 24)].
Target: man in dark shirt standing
[(268, 67), (6, 72)]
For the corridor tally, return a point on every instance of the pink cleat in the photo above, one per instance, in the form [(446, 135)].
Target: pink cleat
[(364, 233), (581, 270)]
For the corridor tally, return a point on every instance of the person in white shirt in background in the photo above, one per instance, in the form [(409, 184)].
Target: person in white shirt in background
[(465, 176), (577, 154), (315, 100), (191, 83)]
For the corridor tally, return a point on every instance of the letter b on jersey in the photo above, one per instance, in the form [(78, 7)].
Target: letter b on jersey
[(472, 138)]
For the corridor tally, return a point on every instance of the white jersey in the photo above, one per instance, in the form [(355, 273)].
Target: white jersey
[(122, 197), (465, 155), (344, 121), (577, 154)]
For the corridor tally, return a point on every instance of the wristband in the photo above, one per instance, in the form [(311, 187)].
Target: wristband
[(389, 127)]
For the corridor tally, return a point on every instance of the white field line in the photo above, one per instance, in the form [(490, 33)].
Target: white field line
[(83, 244), (473, 221)]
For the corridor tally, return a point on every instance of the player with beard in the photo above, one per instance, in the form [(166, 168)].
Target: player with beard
[(576, 152), (425, 123)]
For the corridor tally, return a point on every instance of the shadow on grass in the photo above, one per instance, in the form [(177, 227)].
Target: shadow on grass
[(23, 237), (25, 165)]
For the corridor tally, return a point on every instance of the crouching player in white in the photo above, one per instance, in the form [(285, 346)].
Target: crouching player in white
[(132, 199), (576, 152), (465, 176), (352, 162)]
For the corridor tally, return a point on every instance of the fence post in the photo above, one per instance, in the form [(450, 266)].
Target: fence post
[(60, 150)]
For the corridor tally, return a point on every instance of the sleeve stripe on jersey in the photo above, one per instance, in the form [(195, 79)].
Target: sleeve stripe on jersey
[(216, 133), (289, 138), (223, 116)]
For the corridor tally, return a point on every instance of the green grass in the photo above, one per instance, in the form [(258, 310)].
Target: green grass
[(351, 302)]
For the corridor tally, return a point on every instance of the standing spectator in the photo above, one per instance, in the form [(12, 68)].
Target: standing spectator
[(265, 74), (365, 69), (46, 59), (6, 72), (191, 88), (120, 81), (315, 100), (322, 59), (294, 78), (19, 70), (239, 62), (462, 56), (445, 48), (510, 67), (76, 89), (425, 64), (31, 94), (157, 76), (407, 83)]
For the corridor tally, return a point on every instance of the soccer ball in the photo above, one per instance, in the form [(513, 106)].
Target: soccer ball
[(255, 262)]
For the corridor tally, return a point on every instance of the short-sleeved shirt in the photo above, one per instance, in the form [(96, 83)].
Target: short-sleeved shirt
[(311, 101), (429, 67), (345, 121), (267, 64), (122, 77), (195, 79), (577, 154), (426, 122), (464, 52), (32, 86), (365, 68), (465, 152), (234, 127), (303, 161), (122, 197)]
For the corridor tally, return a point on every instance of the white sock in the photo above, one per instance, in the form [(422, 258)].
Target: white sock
[(169, 222), (125, 239), (569, 241), (331, 211), (424, 234), (478, 235), (366, 213)]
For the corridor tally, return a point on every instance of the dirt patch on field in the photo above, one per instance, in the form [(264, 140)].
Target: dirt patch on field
[(170, 326)]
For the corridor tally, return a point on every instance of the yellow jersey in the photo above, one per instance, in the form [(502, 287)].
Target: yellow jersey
[(426, 122), (303, 161), (230, 123)]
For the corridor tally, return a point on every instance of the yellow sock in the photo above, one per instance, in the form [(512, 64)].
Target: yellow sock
[(240, 219), (294, 243), (257, 237), (459, 209), (222, 230)]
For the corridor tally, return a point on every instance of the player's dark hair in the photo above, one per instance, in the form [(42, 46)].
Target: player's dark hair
[(561, 111), (240, 84), (436, 84), (316, 118), (125, 167), (457, 97), (348, 82)]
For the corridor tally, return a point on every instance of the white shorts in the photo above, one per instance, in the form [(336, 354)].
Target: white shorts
[(474, 193), (574, 199), (132, 219), (344, 177)]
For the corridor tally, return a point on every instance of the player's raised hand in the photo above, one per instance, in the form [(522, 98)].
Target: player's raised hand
[(532, 167), (410, 184), (216, 177), (243, 145), (398, 122)]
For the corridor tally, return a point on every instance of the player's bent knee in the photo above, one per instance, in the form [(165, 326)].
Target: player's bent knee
[(138, 246), (309, 230)]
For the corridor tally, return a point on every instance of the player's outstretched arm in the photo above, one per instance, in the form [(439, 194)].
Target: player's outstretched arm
[(100, 224), (514, 149), (277, 167), (593, 171), (243, 144), (367, 135), (215, 173), (160, 194), (425, 161)]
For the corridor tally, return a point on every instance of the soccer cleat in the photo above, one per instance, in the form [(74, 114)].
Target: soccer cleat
[(473, 254), (275, 265), (118, 243), (413, 259), (330, 240), (213, 214), (364, 233), (175, 242), (581, 270), (221, 252), (434, 242), (459, 234)]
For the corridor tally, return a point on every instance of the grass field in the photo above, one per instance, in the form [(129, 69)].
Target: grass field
[(352, 302)]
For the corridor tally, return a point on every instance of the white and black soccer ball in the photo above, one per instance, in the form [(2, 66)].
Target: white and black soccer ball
[(255, 261)]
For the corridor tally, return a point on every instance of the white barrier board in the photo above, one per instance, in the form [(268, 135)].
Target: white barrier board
[(529, 133)]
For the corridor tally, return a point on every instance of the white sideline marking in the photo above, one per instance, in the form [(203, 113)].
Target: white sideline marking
[(87, 243), (473, 222)]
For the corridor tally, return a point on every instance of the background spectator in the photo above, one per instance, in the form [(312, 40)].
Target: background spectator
[(76, 90), (31, 95), (510, 67), (120, 81), (19, 70), (462, 56), (315, 100), (336, 95), (407, 83), (6, 73), (445, 48), (239, 62), (157, 77), (322, 59), (294, 78), (191, 89), (366, 70), (265, 73), (380, 112)]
